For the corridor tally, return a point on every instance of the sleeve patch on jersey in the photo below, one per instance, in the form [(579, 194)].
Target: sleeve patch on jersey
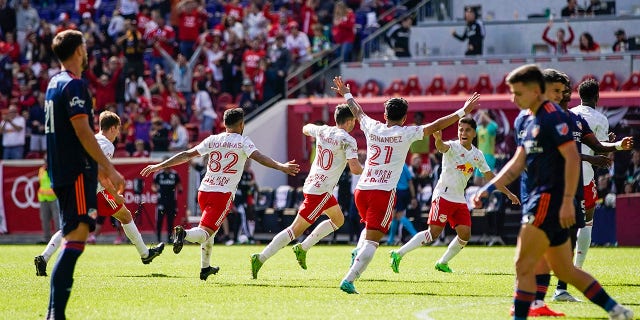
[(563, 129), (76, 101)]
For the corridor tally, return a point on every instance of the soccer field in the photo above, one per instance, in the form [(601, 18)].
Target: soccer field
[(112, 283)]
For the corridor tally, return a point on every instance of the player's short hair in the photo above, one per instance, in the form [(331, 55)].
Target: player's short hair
[(589, 90), (65, 43), (108, 120), (233, 117), (342, 113), (527, 74), (553, 76), (396, 108), (470, 121)]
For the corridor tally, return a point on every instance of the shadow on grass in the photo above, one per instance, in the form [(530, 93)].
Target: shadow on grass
[(405, 281), (153, 275), (271, 285), (435, 294)]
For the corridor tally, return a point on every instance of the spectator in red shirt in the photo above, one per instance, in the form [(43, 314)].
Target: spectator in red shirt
[(192, 19), (140, 151), (11, 47), (308, 17), (251, 59), (233, 8), (165, 36), (343, 31), (65, 23), (90, 6), (560, 44), (587, 44), (104, 87)]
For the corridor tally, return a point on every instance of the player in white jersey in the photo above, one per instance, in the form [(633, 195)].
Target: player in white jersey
[(460, 158), (228, 151), (387, 147), (108, 204), (335, 148)]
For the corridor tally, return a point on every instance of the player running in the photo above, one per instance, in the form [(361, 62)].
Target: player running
[(387, 147), (228, 151), (335, 148), (108, 205), (459, 160)]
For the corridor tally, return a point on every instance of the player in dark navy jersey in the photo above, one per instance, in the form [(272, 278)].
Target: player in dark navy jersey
[(547, 150), (75, 161)]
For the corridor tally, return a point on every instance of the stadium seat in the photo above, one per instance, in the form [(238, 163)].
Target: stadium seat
[(353, 85), (34, 155), (413, 87), (437, 86), (503, 87), (121, 154), (371, 88), (483, 86), (609, 82), (396, 88), (633, 83), (584, 78), (461, 86)]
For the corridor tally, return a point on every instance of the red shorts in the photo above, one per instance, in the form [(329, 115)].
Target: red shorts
[(443, 210), (314, 205), (590, 195), (376, 208), (107, 205), (214, 206)]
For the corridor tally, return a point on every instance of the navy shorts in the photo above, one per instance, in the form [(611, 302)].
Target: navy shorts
[(78, 203), (403, 199), (542, 211)]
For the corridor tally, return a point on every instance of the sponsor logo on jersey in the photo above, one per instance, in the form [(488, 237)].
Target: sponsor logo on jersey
[(562, 128), (76, 101)]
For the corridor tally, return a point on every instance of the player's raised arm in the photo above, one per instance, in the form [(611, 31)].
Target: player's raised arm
[(180, 157), (345, 91), (291, 167), (514, 199), (446, 121), (354, 166), (306, 130), (440, 145)]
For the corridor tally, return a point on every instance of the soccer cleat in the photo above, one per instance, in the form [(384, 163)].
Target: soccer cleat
[(348, 287), (301, 256), (41, 266), (256, 264), (395, 261), (544, 311), (620, 313), (178, 236), (564, 295), (153, 252), (206, 272), (443, 267), (354, 253)]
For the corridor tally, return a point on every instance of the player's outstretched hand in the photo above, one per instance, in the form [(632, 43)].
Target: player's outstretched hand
[(339, 86), (567, 213), (627, 143), (472, 103), (291, 168), (149, 170), (514, 199), (479, 197)]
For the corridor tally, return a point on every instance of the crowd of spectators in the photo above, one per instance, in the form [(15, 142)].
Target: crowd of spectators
[(152, 60)]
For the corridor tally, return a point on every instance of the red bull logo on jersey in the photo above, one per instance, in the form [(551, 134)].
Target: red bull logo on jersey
[(466, 168), (563, 129)]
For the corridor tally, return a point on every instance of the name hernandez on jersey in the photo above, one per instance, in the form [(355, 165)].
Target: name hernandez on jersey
[(458, 165), (227, 154), (387, 149), (334, 147), (107, 148), (599, 124)]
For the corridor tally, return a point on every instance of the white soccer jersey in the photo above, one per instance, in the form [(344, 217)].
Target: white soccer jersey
[(334, 147), (458, 165), (599, 124), (227, 154), (387, 149), (107, 148)]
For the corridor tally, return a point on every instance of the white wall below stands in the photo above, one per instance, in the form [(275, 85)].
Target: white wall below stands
[(269, 133)]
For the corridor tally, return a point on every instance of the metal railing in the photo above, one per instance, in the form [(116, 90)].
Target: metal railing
[(299, 73), (375, 46)]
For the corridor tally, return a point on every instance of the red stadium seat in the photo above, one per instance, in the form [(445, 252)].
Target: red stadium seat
[(413, 87), (34, 155), (633, 83), (609, 82), (483, 85), (121, 154), (503, 87), (461, 86), (371, 88), (437, 86), (396, 88), (584, 78), (353, 85)]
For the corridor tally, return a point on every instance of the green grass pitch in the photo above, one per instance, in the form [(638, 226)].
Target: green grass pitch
[(112, 283)]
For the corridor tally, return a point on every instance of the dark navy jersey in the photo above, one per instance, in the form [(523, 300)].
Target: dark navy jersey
[(167, 182), (67, 98), (540, 136), (523, 116)]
